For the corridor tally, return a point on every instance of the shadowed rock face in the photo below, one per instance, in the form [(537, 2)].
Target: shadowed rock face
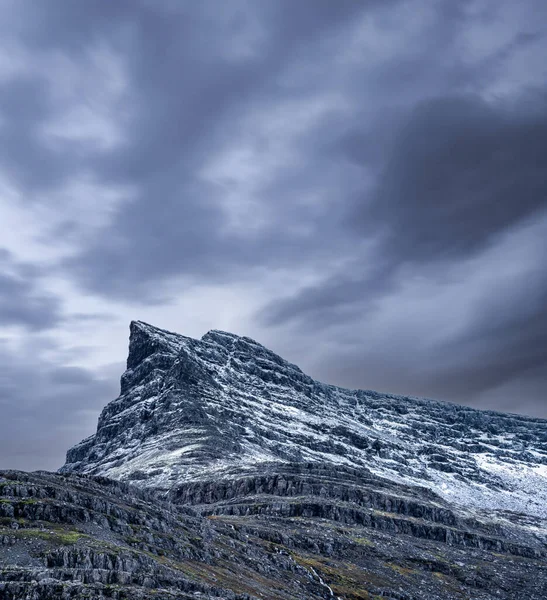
[(223, 471), (196, 409)]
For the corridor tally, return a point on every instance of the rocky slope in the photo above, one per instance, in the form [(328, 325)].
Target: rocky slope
[(300, 531)]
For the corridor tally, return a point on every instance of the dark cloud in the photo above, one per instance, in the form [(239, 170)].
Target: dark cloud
[(460, 172), (21, 300), (185, 91), (24, 107), (491, 357), (505, 340), (45, 407)]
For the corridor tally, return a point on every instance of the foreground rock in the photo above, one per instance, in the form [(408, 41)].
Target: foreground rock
[(292, 531)]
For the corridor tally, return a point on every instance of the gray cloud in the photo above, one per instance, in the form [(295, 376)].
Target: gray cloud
[(187, 92), (21, 300), (460, 172), (46, 407), (505, 340)]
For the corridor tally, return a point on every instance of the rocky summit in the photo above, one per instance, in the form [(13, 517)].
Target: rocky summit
[(223, 471), (201, 409)]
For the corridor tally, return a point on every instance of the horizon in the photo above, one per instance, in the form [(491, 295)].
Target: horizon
[(358, 186)]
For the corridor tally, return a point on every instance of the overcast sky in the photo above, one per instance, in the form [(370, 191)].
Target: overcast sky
[(360, 185)]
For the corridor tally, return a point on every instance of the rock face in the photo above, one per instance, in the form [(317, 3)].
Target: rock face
[(199, 409), (222, 471)]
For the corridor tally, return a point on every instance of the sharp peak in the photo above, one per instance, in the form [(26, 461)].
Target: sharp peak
[(213, 336), (137, 325)]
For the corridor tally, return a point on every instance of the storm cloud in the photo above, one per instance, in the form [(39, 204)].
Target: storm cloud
[(21, 300), (361, 186)]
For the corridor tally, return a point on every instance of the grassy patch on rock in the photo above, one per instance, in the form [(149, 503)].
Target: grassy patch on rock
[(62, 537)]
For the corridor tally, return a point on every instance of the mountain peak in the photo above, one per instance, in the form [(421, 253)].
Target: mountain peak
[(191, 409), (146, 339), (140, 328)]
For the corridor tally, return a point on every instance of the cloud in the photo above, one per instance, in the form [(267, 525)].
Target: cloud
[(460, 172), (46, 407), (22, 303), (188, 104), (505, 336)]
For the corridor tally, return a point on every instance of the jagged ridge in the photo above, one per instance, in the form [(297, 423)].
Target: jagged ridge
[(192, 409)]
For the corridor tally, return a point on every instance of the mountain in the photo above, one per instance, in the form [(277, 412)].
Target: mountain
[(197, 409), (223, 471)]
